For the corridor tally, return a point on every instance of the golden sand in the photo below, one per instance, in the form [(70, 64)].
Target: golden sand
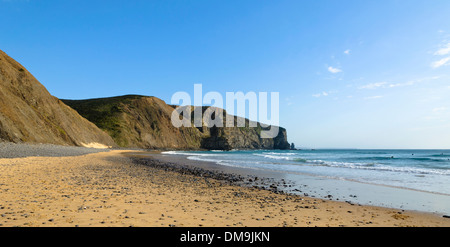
[(107, 189)]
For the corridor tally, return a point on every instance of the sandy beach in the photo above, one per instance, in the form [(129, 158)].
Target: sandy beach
[(110, 189)]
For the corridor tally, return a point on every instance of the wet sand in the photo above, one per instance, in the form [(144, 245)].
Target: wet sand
[(323, 187), (114, 189)]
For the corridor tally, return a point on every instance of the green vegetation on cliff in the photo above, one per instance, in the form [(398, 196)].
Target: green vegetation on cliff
[(106, 113)]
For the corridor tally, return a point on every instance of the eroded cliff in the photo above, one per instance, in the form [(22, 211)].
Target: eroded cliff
[(145, 122), (28, 113)]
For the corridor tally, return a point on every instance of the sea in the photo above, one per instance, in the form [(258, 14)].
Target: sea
[(411, 179)]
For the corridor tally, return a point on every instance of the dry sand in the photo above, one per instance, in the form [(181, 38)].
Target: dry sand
[(107, 189)]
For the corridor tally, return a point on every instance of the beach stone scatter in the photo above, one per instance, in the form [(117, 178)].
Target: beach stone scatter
[(112, 189)]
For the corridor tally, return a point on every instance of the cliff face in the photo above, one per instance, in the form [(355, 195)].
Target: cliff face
[(136, 121), (243, 138), (28, 113), (226, 138), (145, 122)]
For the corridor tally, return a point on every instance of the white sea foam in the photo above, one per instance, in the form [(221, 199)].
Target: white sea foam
[(275, 157), (171, 152), (426, 171), (281, 154), (295, 161), (379, 167), (416, 171)]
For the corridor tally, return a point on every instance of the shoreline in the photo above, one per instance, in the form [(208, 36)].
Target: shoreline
[(344, 190), (110, 189)]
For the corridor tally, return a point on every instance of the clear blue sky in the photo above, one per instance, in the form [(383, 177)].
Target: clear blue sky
[(350, 73)]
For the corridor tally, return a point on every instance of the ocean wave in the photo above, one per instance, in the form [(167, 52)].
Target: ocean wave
[(371, 152), (362, 165), (227, 162), (300, 160), (440, 155), (380, 167), (202, 158), (280, 154), (275, 157), (170, 152), (214, 154), (293, 162), (412, 158), (430, 159), (376, 158)]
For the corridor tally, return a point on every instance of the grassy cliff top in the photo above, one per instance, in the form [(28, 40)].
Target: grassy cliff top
[(104, 112)]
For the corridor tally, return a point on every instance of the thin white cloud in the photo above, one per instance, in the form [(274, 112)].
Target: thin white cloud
[(334, 70), (374, 97), (439, 109), (402, 84), (409, 83), (440, 63), (443, 51), (289, 100), (347, 52), (325, 93), (373, 85), (438, 114), (320, 94)]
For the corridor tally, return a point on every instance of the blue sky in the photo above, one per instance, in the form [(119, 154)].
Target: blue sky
[(350, 73)]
